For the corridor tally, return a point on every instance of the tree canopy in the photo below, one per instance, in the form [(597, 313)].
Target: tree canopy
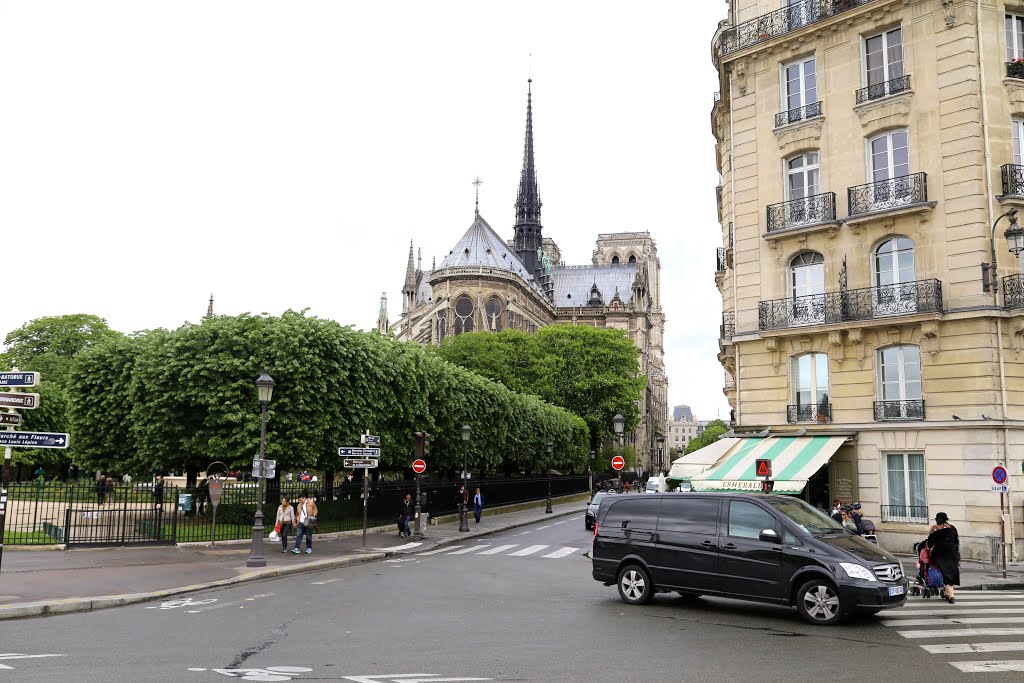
[(712, 431)]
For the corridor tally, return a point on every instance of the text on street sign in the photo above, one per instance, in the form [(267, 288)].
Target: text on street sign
[(1000, 488), (19, 379), (370, 440), (764, 468), (10, 419), (356, 452), (10, 399), (359, 463), (34, 439)]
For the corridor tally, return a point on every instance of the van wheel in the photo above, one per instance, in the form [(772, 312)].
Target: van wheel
[(635, 585), (818, 603)]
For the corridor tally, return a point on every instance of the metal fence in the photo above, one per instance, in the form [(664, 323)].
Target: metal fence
[(79, 514)]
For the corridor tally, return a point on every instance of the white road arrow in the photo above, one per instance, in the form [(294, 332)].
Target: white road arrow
[(12, 655), (406, 678)]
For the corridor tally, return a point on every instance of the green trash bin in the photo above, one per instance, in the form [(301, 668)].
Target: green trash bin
[(185, 502)]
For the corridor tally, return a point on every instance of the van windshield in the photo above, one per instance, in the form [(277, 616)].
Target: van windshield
[(810, 519)]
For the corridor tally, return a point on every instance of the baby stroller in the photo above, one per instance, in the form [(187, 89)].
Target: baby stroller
[(929, 579)]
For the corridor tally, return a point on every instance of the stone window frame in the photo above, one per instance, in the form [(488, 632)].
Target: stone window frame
[(886, 493)]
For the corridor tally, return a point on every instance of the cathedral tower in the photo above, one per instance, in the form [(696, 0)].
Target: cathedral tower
[(528, 238)]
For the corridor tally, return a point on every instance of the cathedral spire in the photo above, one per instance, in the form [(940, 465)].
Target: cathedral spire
[(528, 228), (382, 317), (409, 288), (209, 309)]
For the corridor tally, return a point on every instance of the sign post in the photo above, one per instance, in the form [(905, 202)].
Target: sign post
[(999, 477), (216, 488), (419, 466), (362, 459), (763, 468)]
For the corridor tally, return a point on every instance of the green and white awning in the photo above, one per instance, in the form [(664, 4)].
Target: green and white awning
[(692, 464), (795, 459)]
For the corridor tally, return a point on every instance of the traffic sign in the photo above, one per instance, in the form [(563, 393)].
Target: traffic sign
[(359, 463), (370, 440), (10, 399), (419, 466), (19, 379), (1000, 488), (10, 419), (763, 467), (999, 474), (216, 487), (34, 439), (359, 452), (767, 486), (618, 462)]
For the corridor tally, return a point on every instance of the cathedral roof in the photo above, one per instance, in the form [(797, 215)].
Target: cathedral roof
[(574, 284), (481, 246)]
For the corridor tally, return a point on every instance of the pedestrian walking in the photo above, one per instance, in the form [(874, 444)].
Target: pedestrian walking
[(307, 519), (461, 498), (158, 492), (405, 515), (101, 491), (202, 494), (858, 519), (847, 521), (944, 554), (285, 521), (478, 504), (837, 511)]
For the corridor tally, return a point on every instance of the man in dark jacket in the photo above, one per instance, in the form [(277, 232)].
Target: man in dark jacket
[(405, 515), (855, 514)]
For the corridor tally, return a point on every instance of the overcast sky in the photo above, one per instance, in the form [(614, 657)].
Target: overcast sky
[(282, 155)]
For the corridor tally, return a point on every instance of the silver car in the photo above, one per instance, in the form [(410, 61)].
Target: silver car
[(595, 503)]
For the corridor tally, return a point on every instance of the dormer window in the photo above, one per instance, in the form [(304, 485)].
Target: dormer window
[(615, 260)]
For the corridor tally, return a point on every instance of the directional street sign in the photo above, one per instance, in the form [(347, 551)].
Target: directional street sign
[(359, 452), (10, 399), (359, 463), (34, 439), (419, 466), (999, 475), (10, 419), (370, 440), (618, 462), (19, 379)]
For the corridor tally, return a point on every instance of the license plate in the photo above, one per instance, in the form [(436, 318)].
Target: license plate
[(897, 590)]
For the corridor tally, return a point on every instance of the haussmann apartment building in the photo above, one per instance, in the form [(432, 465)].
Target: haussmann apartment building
[(872, 349)]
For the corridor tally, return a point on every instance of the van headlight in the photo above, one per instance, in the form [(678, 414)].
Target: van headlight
[(857, 571)]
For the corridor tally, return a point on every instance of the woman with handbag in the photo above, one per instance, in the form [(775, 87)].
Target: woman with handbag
[(285, 522), (306, 515), (944, 554)]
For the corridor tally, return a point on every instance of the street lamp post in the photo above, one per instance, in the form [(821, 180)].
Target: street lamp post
[(463, 517), (618, 424), (264, 390), (660, 440), (590, 470), (1014, 241), (551, 448)]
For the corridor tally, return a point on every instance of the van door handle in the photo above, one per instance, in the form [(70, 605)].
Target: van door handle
[(729, 546), (708, 544)]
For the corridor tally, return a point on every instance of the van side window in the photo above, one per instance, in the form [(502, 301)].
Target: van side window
[(747, 520), (788, 538), (689, 515), (637, 513)]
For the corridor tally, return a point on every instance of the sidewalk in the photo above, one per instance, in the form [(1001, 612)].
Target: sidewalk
[(34, 583), (978, 576)]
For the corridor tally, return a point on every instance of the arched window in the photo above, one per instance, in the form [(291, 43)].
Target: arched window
[(810, 389), (899, 384), (807, 288), (632, 258), (442, 325), (492, 315), (463, 315), (894, 275), (615, 260)]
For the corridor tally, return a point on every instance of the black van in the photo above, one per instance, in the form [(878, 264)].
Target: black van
[(768, 548)]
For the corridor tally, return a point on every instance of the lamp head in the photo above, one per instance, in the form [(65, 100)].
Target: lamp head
[(1014, 235), (618, 423), (550, 447), (465, 432), (265, 388)]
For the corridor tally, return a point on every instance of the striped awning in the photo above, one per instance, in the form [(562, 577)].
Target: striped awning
[(692, 464), (795, 459)]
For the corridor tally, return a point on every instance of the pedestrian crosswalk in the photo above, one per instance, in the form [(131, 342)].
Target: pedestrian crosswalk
[(509, 550), (979, 623)]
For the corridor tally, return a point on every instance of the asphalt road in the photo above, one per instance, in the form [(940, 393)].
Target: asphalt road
[(510, 611)]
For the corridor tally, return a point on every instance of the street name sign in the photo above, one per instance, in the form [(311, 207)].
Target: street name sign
[(10, 399), (999, 475), (419, 466), (19, 379), (618, 462), (359, 452), (34, 439), (370, 440), (763, 467), (10, 419), (359, 463)]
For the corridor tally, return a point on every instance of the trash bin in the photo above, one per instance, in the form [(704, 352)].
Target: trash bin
[(185, 502)]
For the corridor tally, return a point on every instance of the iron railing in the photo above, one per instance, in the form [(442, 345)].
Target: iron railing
[(1013, 177), (817, 412), (893, 86), (869, 303), (1015, 69), (899, 410), (888, 194), (808, 111), (728, 327), (720, 260), (1013, 291), (817, 208), (783, 21), (905, 513)]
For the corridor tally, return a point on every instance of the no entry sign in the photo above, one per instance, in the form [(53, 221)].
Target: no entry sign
[(999, 475), (618, 462), (419, 466)]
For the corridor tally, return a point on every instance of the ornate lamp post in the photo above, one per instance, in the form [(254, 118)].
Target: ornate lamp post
[(463, 521), (618, 424), (264, 390), (590, 470), (1014, 241), (660, 440), (551, 448)]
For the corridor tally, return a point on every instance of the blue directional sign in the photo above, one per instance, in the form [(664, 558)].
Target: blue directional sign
[(34, 439), (11, 399), (19, 379), (359, 452)]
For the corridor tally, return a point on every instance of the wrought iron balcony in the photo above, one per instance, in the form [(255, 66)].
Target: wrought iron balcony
[(720, 260), (905, 513), (728, 327), (817, 208), (808, 111), (1013, 177), (888, 194), (820, 412), (780, 22), (899, 410), (869, 303), (877, 91), (1015, 69), (1013, 291)]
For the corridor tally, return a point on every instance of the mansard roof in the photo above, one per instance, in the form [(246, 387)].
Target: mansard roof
[(573, 284), (481, 246)]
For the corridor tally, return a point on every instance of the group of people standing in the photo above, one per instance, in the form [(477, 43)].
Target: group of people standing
[(407, 509), (302, 516)]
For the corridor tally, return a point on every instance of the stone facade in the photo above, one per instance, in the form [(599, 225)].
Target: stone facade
[(863, 312)]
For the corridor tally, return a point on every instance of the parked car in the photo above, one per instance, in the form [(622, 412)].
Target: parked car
[(767, 548), (595, 502)]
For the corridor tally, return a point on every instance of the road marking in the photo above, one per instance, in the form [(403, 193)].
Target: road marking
[(944, 611), (528, 551), (439, 550), (562, 522), (561, 552), (967, 620), (407, 546), (407, 678), (182, 602), (962, 648), (271, 673), (471, 549), (963, 632), (542, 528), (525, 532), (991, 665), (14, 655), (499, 549), (325, 582)]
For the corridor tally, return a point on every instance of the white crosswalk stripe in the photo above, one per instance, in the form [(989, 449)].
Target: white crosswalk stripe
[(528, 551), (954, 620), (962, 632), (962, 648), (470, 549), (990, 666), (499, 549), (944, 611), (488, 549), (440, 550), (561, 552)]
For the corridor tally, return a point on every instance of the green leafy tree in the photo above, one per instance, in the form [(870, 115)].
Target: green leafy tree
[(712, 431)]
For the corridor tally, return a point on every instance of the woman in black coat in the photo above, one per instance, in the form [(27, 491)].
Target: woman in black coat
[(944, 550)]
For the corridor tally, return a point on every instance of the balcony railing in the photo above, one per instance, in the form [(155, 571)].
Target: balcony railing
[(783, 21), (899, 410), (1013, 291), (888, 194), (817, 208), (808, 111), (869, 303), (877, 91), (905, 513), (1015, 69), (1013, 177), (720, 260), (821, 412), (728, 327)]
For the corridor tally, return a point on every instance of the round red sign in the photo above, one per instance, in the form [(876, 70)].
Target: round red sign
[(618, 462), (419, 466)]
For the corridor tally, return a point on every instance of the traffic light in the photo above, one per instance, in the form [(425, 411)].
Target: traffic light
[(426, 446), (767, 486), (422, 449)]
